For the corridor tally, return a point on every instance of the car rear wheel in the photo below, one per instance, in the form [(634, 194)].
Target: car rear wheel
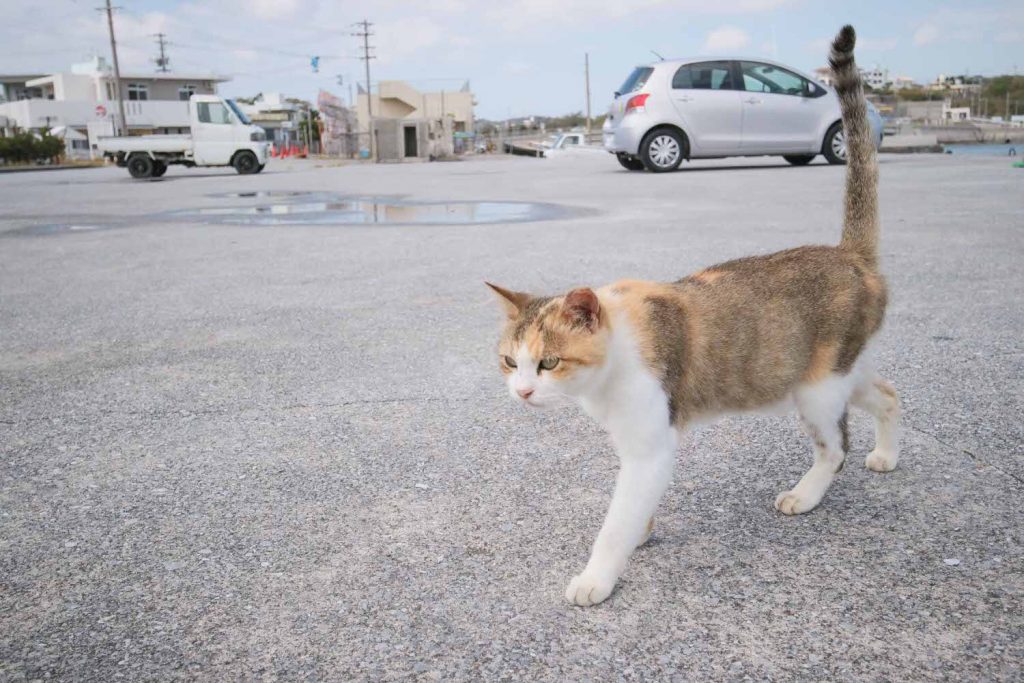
[(834, 147), (662, 150), (799, 159), (140, 166), (246, 163), (629, 163)]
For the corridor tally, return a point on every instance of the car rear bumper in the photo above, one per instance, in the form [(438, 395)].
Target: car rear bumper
[(624, 135)]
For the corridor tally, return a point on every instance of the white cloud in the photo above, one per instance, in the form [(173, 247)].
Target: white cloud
[(926, 34), (877, 44), (396, 40), (726, 39), (517, 68), (274, 9), (520, 15), (1010, 36)]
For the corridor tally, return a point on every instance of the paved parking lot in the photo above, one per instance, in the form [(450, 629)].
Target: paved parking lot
[(236, 452)]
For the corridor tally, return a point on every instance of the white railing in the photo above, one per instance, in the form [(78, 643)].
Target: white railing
[(140, 114)]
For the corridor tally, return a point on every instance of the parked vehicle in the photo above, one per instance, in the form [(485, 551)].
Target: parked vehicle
[(565, 140), (712, 108), (221, 135)]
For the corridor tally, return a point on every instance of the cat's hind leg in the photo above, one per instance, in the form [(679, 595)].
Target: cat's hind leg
[(876, 396), (822, 408)]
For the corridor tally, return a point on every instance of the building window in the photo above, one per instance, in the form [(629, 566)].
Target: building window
[(138, 91), (186, 91)]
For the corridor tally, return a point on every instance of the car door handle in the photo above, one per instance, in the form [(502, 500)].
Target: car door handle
[(753, 100), (684, 98)]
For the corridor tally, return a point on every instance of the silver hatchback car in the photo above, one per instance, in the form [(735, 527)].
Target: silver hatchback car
[(711, 108)]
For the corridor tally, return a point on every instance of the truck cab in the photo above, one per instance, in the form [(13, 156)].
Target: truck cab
[(220, 129)]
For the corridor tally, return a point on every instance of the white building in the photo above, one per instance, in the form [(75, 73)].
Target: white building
[(85, 98), (955, 113), (903, 82), (877, 78)]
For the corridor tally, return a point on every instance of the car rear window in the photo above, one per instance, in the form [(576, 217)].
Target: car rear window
[(636, 80)]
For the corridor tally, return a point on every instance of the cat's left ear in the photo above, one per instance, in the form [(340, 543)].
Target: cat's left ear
[(582, 308), (513, 302)]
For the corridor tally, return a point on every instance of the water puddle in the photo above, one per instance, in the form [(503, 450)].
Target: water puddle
[(55, 229), (375, 211), (260, 194)]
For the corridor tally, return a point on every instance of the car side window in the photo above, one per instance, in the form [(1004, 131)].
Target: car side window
[(703, 76), (212, 112), (768, 78)]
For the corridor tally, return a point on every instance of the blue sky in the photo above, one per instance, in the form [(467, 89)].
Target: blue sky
[(520, 56)]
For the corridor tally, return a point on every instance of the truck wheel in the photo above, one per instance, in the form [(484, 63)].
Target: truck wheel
[(159, 168), (140, 166), (261, 167), (246, 163)]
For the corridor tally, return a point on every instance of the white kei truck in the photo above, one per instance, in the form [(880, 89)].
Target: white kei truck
[(221, 135)]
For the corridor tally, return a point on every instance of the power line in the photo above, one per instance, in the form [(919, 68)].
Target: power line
[(163, 60)]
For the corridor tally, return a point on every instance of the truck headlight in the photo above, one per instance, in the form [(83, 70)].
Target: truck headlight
[(258, 136)]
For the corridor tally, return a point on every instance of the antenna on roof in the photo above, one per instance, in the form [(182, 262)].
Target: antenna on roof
[(657, 55)]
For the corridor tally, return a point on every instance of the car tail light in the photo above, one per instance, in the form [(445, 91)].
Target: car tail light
[(637, 102)]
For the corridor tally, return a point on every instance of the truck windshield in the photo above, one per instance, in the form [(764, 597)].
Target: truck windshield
[(635, 81), (238, 112)]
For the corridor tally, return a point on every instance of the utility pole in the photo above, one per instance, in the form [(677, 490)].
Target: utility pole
[(162, 61), (123, 124), (365, 35), (586, 76)]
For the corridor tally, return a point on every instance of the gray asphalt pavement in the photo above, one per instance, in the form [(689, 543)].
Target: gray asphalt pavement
[(237, 452)]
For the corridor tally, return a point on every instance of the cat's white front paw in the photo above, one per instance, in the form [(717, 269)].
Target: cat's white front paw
[(792, 503), (588, 589), (880, 461)]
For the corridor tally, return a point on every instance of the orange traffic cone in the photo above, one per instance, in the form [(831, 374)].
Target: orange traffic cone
[(284, 151), (273, 150), (305, 151)]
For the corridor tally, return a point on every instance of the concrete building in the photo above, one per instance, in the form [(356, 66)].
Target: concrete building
[(85, 99), (427, 122), (955, 113)]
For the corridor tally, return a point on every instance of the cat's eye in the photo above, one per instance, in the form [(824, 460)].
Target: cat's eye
[(509, 362), (549, 363)]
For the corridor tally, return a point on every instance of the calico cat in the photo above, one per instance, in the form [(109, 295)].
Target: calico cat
[(647, 359)]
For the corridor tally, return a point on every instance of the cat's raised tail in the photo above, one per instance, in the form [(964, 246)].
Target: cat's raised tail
[(860, 220)]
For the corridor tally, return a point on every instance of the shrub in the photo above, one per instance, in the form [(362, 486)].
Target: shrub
[(22, 148)]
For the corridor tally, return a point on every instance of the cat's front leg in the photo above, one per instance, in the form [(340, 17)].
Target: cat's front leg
[(644, 474)]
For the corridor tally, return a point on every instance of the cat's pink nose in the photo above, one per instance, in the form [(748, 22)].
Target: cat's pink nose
[(524, 393)]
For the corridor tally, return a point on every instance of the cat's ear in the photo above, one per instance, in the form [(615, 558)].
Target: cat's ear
[(581, 308), (513, 302)]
